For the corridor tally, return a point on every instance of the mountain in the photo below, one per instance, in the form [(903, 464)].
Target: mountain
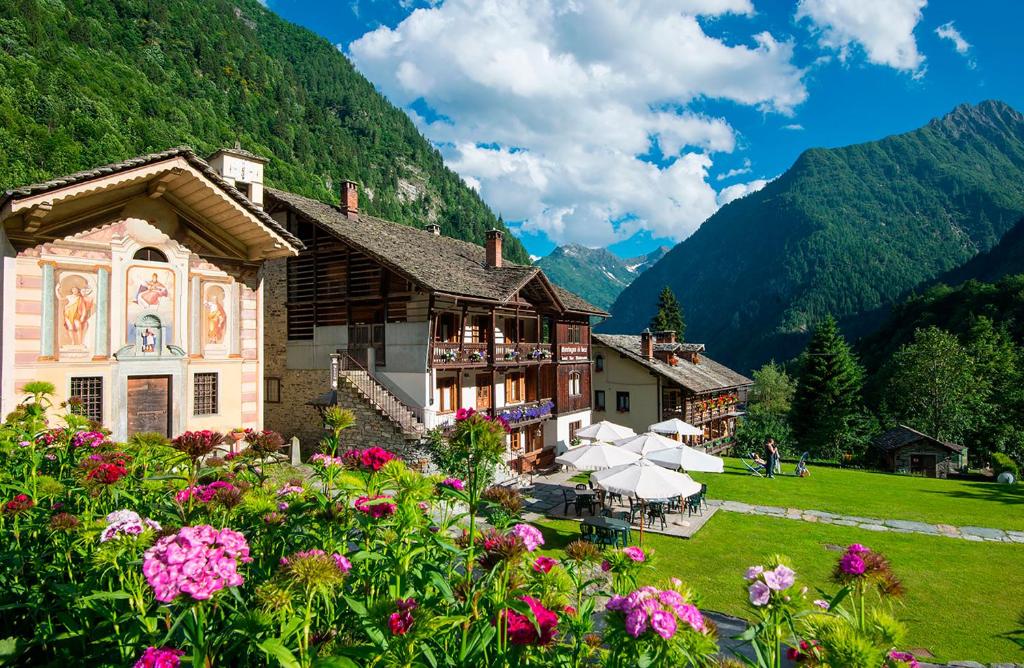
[(595, 274), (86, 83), (1003, 259), (846, 231)]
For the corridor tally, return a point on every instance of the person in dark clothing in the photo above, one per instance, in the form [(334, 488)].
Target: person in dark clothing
[(771, 455)]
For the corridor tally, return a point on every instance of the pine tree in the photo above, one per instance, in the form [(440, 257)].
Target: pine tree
[(670, 315), (827, 416)]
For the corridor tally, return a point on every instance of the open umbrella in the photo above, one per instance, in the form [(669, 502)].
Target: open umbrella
[(687, 458), (645, 480), (604, 431), (596, 456), (676, 427), (645, 444)]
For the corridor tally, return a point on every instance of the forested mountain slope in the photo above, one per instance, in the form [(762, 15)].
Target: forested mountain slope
[(84, 83), (595, 274), (845, 231)]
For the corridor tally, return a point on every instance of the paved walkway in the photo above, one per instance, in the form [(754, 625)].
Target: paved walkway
[(874, 524)]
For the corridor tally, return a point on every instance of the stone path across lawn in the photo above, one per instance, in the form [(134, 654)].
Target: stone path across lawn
[(977, 534)]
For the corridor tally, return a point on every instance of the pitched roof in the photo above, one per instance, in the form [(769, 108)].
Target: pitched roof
[(897, 437), (140, 161), (706, 376), (438, 263)]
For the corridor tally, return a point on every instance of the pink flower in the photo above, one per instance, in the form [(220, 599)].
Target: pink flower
[(453, 483), (759, 593), (521, 629), (904, 657), (634, 553), (401, 621), (606, 565), (203, 493), (780, 578), (159, 657), (326, 461), (753, 572), (126, 523), (691, 615), (544, 564), (636, 622), (663, 623), (289, 490), (376, 506), (852, 563), (821, 603), (530, 535), (198, 561), (344, 565)]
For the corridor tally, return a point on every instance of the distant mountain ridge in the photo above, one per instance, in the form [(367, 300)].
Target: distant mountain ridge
[(595, 274), (846, 231)]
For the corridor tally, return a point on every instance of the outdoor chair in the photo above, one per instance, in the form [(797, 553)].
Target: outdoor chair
[(693, 504), (570, 498), (704, 494), (584, 502), (634, 510), (754, 466), (613, 497), (656, 511), (581, 486), (607, 512), (587, 533), (605, 536), (623, 515)]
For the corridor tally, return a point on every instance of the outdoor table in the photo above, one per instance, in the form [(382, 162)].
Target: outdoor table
[(620, 527)]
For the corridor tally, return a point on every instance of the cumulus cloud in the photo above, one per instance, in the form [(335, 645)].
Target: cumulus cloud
[(740, 190), (745, 169), (547, 107), (884, 29), (949, 32)]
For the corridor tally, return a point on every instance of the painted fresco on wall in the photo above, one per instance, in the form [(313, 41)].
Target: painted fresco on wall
[(76, 311), (150, 308), (215, 314)]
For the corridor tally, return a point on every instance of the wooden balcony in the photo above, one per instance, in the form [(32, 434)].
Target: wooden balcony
[(525, 413), (450, 355), (515, 354)]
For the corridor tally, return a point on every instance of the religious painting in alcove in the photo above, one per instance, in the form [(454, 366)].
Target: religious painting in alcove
[(215, 316), (150, 292), (76, 311)]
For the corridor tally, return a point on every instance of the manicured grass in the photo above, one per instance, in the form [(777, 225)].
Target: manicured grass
[(865, 494), (960, 596)]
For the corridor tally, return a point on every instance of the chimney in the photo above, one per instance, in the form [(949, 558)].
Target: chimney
[(646, 344), (665, 336), (434, 229), (349, 197), (494, 248)]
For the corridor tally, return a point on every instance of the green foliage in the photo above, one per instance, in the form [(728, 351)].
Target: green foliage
[(827, 416), (772, 391), (669, 316), (595, 274), (844, 231), (87, 83), (1001, 463), (934, 387)]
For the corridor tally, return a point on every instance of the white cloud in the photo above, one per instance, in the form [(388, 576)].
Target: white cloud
[(546, 105), (884, 29), (963, 47), (793, 126), (740, 190), (745, 169)]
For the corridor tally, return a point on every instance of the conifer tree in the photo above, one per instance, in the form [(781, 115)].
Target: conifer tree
[(669, 315), (827, 416)]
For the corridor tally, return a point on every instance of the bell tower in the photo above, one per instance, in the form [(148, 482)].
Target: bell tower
[(242, 169)]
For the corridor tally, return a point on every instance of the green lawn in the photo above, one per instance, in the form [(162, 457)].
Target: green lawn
[(850, 492), (961, 596)]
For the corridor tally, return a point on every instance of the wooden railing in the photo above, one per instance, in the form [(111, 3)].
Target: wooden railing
[(449, 354), (524, 413), (522, 353)]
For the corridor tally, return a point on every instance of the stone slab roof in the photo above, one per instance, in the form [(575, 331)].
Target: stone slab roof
[(706, 376), (438, 263), (181, 151), (897, 437)]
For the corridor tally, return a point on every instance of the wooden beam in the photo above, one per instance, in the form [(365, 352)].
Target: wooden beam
[(158, 186), (33, 219)]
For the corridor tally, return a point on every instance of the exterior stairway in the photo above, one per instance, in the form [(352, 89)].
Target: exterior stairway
[(386, 404)]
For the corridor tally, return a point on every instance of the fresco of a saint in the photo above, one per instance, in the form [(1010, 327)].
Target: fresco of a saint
[(76, 308), (216, 316)]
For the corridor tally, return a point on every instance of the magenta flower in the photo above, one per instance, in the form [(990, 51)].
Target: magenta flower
[(606, 565), (544, 564), (530, 535), (691, 615), (759, 593), (521, 630), (454, 483), (634, 553), (203, 493), (376, 506), (904, 657), (198, 561), (636, 622), (159, 657), (852, 563), (753, 572), (126, 523), (663, 623), (821, 603), (401, 621)]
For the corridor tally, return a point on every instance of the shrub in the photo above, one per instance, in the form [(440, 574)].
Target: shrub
[(1002, 462)]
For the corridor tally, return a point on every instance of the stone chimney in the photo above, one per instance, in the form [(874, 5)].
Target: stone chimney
[(349, 198), (434, 229), (665, 336), (646, 344), (494, 248)]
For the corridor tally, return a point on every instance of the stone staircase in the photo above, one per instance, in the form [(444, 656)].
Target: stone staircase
[(381, 400)]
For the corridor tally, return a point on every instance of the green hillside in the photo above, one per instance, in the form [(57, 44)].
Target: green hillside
[(1003, 259), (594, 273), (85, 83), (845, 231)]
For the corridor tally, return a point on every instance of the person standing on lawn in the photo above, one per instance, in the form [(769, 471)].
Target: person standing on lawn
[(771, 455)]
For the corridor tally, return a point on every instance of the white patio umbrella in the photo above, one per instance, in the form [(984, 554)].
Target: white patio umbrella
[(604, 431), (596, 457), (645, 480), (646, 443), (676, 427), (687, 458)]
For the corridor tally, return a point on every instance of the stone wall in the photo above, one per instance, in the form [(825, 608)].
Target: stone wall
[(945, 462), (373, 428)]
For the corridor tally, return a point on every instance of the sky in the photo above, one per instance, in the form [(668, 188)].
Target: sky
[(627, 123)]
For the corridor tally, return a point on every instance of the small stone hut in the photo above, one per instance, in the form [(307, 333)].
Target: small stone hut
[(906, 450)]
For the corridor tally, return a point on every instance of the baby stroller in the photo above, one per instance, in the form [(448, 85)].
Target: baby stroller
[(801, 466)]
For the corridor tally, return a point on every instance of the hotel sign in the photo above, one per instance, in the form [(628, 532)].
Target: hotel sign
[(574, 352)]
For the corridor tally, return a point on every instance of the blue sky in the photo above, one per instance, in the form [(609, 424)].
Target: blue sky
[(625, 125)]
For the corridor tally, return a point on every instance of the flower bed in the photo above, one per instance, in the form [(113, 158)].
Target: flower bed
[(178, 556)]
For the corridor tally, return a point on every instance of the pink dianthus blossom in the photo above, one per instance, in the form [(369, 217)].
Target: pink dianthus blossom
[(634, 553), (159, 657), (453, 483), (198, 561), (759, 593), (126, 523), (530, 535)]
